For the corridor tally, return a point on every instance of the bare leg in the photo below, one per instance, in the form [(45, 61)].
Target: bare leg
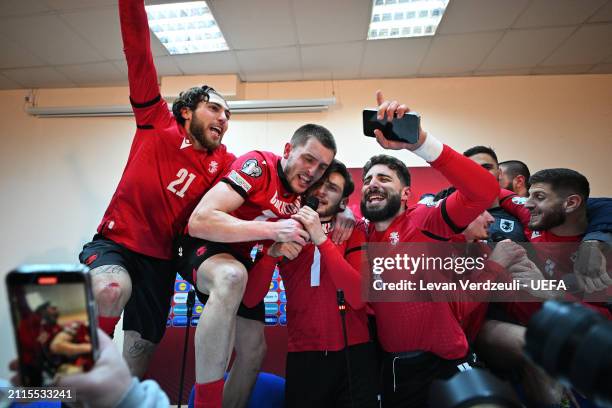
[(112, 288), (250, 352), (224, 279), (137, 352)]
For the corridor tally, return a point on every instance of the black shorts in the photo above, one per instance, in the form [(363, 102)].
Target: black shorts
[(321, 378), (146, 312), (191, 252)]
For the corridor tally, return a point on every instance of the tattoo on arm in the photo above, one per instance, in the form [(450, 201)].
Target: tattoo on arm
[(108, 270), (140, 347)]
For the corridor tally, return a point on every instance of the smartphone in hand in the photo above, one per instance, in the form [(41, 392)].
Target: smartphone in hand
[(405, 129), (54, 321)]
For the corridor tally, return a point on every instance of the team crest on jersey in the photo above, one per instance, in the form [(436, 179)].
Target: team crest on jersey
[(239, 180), (394, 238), (251, 168), (213, 167), (519, 200), (506, 225), (535, 234)]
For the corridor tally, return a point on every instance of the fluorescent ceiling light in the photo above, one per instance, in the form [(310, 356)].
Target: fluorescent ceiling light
[(186, 28), (405, 18)]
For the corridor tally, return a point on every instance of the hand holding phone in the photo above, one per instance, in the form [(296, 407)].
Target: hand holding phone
[(54, 321), (393, 125)]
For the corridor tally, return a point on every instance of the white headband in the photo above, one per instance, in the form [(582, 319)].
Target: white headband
[(214, 97)]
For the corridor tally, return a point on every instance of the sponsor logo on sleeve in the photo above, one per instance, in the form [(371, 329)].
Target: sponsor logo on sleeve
[(251, 168), (519, 200), (239, 180)]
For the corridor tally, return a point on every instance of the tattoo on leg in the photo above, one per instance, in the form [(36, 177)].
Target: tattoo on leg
[(140, 347), (108, 270)]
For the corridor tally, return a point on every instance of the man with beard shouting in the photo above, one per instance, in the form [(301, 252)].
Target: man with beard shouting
[(175, 158)]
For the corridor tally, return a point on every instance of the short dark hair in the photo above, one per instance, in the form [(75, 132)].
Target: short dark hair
[(472, 151), (391, 162), (517, 168), (310, 130), (338, 167), (190, 99), (563, 181)]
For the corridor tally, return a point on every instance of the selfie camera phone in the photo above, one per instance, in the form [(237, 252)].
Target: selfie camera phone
[(54, 321), (404, 129)]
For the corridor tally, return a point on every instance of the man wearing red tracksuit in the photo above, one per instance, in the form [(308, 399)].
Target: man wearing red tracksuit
[(319, 353), (421, 341)]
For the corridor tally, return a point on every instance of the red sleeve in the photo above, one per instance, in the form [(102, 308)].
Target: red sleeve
[(476, 191), (515, 206), (345, 268), (249, 174), (150, 109), (258, 283)]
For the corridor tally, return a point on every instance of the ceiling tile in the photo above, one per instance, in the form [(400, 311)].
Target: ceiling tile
[(542, 13), (525, 48), (603, 14), (469, 16), (601, 69), (255, 24), (93, 74), (13, 56), (101, 29), (324, 21), (166, 66), (458, 53), (566, 69), (277, 64), (591, 44), (393, 58), (223, 62), (337, 61), (77, 4), (6, 83), (22, 7), (49, 38), (45, 77)]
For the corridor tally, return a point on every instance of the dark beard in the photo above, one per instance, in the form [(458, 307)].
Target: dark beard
[(197, 131), (551, 220), (394, 203)]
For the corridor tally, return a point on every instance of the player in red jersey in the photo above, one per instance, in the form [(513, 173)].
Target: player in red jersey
[(261, 187), (175, 157), (316, 371), (555, 213), (421, 341)]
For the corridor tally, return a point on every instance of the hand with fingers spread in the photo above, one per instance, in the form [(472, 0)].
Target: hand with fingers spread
[(590, 267), (290, 231), (289, 250), (309, 218), (391, 110)]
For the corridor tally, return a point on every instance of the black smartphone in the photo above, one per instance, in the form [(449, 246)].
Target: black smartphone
[(54, 321), (405, 129)]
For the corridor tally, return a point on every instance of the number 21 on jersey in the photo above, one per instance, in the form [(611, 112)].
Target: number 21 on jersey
[(184, 179)]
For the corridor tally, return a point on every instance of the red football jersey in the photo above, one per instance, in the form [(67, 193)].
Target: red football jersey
[(556, 261), (164, 177), (434, 326), (258, 177), (313, 317)]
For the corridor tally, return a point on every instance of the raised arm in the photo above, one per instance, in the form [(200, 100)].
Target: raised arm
[(149, 108)]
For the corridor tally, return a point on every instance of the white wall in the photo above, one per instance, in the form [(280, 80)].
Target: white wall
[(57, 175)]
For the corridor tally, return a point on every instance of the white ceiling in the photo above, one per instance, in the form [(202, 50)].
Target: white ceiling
[(68, 43)]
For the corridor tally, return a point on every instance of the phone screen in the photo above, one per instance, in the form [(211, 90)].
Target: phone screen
[(405, 129), (53, 329)]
